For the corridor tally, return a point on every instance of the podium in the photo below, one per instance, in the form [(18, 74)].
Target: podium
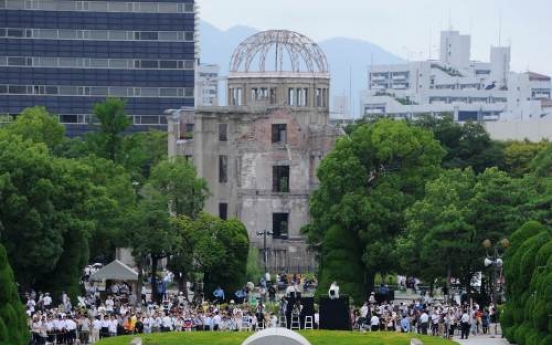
[(335, 313)]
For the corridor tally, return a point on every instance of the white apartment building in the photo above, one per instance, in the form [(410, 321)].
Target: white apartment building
[(471, 90), (207, 82)]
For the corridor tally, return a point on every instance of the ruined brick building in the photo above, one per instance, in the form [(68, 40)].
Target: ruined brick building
[(259, 153)]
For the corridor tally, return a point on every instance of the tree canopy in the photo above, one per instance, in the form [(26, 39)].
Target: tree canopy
[(366, 183)]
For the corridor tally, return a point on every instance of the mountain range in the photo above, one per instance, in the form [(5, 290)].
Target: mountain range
[(348, 59)]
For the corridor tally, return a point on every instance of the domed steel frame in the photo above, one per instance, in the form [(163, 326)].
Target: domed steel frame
[(301, 51)]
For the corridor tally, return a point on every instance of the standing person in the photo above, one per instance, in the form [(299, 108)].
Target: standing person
[(435, 320), (112, 326), (36, 330), (84, 329), (71, 328), (219, 295), (96, 327), (465, 325), (166, 323), (493, 321), (216, 321), (424, 322)]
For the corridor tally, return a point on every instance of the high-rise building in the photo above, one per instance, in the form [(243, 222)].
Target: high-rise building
[(69, 55), (207, 85), (454, 84)]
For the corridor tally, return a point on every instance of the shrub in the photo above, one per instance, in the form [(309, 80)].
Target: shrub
[(12, 314)]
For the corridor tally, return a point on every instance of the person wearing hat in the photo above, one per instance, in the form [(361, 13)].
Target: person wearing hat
[(47, 301), (372, 298)]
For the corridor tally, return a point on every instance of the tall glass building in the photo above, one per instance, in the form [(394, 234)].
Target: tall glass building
[(69, 55)]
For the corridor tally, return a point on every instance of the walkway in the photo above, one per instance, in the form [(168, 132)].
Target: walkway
[(481, 340)]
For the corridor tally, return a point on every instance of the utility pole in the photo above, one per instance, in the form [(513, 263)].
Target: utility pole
[(264, 233)]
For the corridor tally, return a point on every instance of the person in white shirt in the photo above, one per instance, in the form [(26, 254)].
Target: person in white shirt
[(109, 305), (166, 323), (59, 329), (333, 292), (155, 323), (435, 318), (424, 322), (364, 311), (374, 323), (217, 320), (71, 327), (104, 331), (95, 333), (465, 325), (112, 326), (147, 324), (47, 301)]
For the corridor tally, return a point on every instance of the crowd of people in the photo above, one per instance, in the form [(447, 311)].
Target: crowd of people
[(429, 319), (248, 309), (119, 311)]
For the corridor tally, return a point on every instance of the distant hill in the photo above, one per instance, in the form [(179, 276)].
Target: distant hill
[(348, 59)]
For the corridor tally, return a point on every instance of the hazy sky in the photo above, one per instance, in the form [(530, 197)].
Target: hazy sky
[(404, 27)]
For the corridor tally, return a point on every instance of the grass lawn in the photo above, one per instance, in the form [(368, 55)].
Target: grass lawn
[(315, 337)]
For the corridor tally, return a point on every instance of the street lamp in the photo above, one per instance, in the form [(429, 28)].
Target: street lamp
[(264, 233), (496, 261)]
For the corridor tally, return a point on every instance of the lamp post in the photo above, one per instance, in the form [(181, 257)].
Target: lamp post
[(496, 261), (264, 233)]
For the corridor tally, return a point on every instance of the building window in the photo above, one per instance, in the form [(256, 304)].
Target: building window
[(280, 225), (223, 131), (272, 95), (223, 169), (236, 95), (280, 178), (187, 132), (279, 133), (223, 211)]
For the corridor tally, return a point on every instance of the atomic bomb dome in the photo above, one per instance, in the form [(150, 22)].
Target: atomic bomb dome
[(279, 68), (279, 51)]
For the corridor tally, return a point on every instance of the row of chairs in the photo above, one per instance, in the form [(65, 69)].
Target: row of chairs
[(295, 322)]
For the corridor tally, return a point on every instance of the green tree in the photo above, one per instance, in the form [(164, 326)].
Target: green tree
[(177, 180), (47, 209), (173, 189), (518, 156), (528, 270), (143, 151), (151, 234), (441, 238), (112, 122), (217, 248), (13, 321), (458, 212), (39, 126), (117, 200), (466, 145), (366, 183)]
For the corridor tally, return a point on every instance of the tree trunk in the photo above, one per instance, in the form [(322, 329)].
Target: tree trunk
[(154, 293), (138, 292)]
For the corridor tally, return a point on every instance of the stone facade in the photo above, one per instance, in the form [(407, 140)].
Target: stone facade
[(259, 156)]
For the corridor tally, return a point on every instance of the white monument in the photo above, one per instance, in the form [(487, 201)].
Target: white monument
[(276, 336)]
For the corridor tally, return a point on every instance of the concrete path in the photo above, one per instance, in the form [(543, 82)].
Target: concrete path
[(481, 340)]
